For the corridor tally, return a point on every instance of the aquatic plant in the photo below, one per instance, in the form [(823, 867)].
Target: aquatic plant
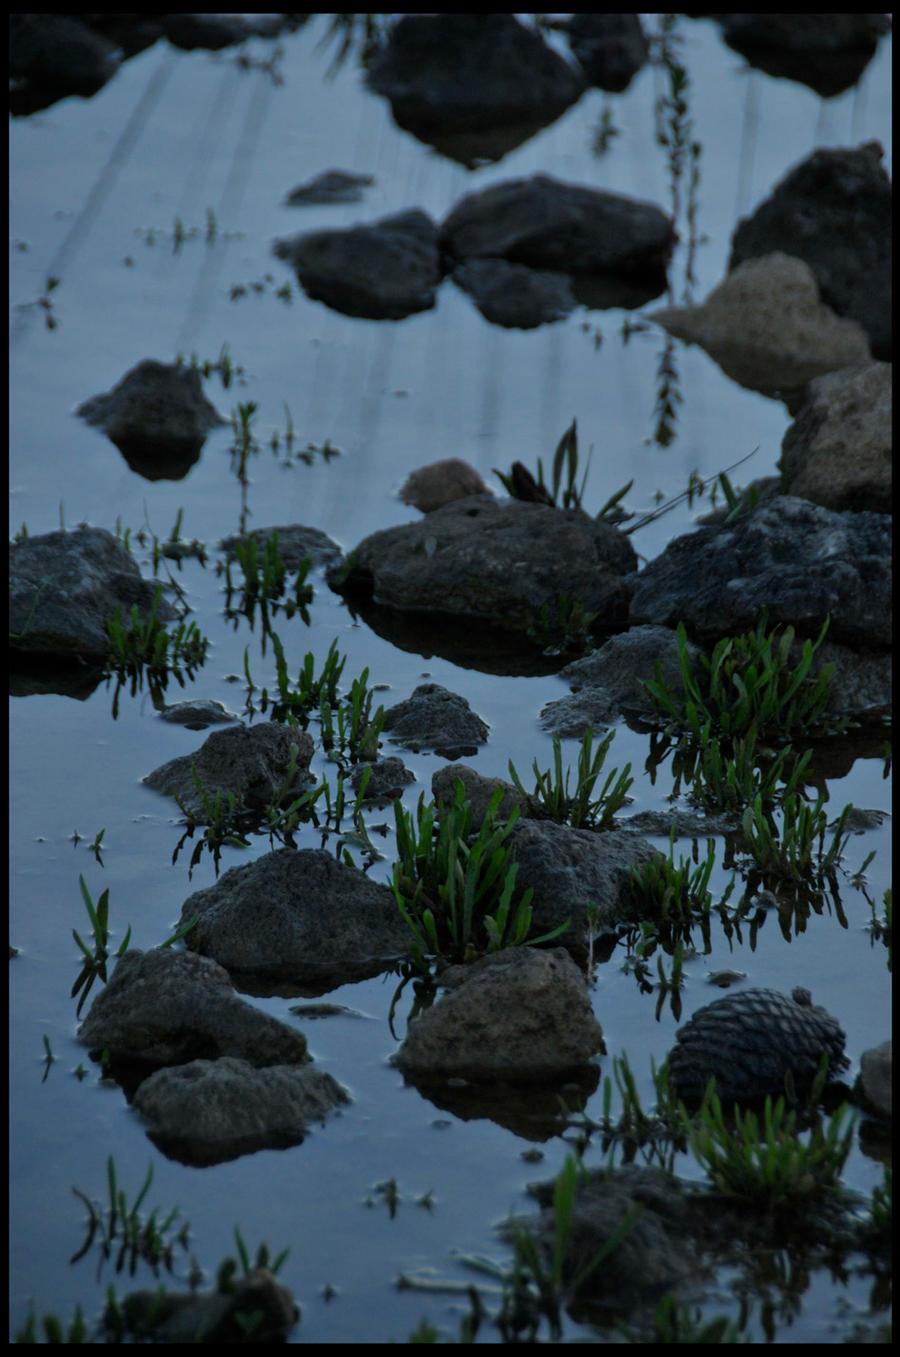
[(581, 808), (265, 585), (147, 648), (798, 849), (121, 1228), (455, 888), (675, 892)]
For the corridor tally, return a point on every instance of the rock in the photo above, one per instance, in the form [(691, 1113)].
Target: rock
[(387, 778), (57, 55), (435, 719), (827, 52), (800, 561), (874, 1081), (250, 763), (168, 1008), (63, 586), (449, 77), (547, 224), (188, 1317), (749, 1041), (431, 487), (624, 661), (833, 210), (208, 1111), (570, 717), (572, 869), (297, 916), (838, 451), (609, 48), (512, 295), (503, 564), (655, 1254), (295, 543), (157, 416), (519, 1015), (478, 791), (199, 714), (332, 186), (766, 327), (385, 270)]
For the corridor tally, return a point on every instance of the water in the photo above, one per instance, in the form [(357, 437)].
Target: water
[(173, 135)]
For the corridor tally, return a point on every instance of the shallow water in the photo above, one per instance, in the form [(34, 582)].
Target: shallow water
[(173, 135)]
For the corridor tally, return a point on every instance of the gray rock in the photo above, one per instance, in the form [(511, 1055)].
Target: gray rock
[(299, 916), (387, 778), (478, 790), (621, 664), (63, 586), (157, 416), (438, 720), (250, 763), (198, 714), (498, 563), (834, 211), (570, 717), (295, 543), (801, 561), (208, 1111), (609, 48), (167, 1316), (515, 296), (385, 270), (520, 1015), (861, 684), (547, 224), (59, 55), (827, 52), (331, 186), (431, 487), (749, 1041), (839, 450), (167, 1008), (572, 869), (766, 327), (874, 1083), (446, 75)]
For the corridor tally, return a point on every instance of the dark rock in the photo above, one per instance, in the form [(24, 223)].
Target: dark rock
[(295, 543), (827, 52), (501, 564), (513, 295), (387, 778), (609, 48), (766, 327), (250, 763), (63, 586), (58, 55), (749, 1041), (187, 1317), (167, 1008), (570, 870), (547, 224), (431, 487), (838, 452), (449, 77), (874, 1083), (198, 714), (208, 1111), (299, 916), (435, 719), (520, 1015), (478, 792), (332, 186), (833, 210), (382, 271), (800, 561), (211, 32)]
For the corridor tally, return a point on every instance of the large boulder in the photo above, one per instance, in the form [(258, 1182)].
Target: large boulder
[(506, 564), (800, 561), (839, 450), (64, 587), (385, 270), (167, 1008), (833, 211), (249, 763), (208, 1111), (297, 916), (519, 1015)]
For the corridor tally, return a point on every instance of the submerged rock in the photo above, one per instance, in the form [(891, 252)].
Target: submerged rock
[(833, 210), (187, 1317), (198, 714), (519, 1015), (515, 296), (331, 186), (434, 718), (208, 1111), (385, 270), (295, 543), (248, 763), (64, 586)]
